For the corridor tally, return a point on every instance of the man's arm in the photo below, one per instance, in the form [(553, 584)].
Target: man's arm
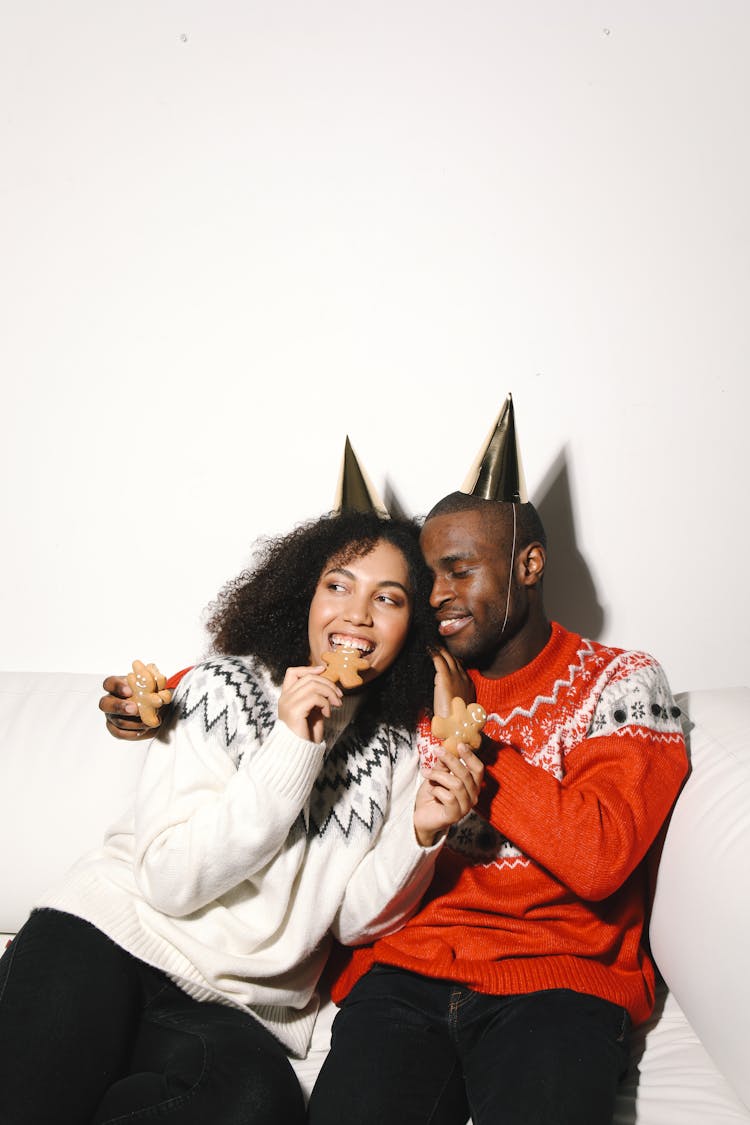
[(594, 826)]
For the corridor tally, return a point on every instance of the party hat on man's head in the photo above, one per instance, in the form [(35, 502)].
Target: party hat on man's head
[(497, 472), (355, 491)]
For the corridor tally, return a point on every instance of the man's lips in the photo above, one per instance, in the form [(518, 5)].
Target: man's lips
[(447, 626)]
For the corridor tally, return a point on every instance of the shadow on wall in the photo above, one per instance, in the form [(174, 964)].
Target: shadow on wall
[(569, 592)]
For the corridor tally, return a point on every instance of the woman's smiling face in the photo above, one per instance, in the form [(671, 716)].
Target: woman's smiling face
[(363, 603)]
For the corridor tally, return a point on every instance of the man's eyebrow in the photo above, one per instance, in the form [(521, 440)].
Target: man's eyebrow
[(380, 585), (449, 560)]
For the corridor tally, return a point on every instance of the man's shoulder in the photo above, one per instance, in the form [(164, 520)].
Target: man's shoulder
[(609, 668), (619, 689), (623, 662), (604, 655)]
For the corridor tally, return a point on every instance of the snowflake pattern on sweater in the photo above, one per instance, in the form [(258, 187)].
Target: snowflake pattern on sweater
[(607, 691)]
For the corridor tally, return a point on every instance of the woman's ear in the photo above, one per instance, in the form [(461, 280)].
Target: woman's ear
[(533, 560)]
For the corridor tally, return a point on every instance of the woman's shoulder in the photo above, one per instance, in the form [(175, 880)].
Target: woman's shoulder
[(227, 693)]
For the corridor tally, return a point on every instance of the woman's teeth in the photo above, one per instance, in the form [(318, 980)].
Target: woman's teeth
[(338, 640)]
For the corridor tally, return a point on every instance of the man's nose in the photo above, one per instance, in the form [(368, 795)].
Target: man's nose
[(442, 591)]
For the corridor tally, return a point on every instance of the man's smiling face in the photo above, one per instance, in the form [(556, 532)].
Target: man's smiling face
[(469, 554)]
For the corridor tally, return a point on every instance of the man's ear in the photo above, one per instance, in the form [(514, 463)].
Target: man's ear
[(533, 560)]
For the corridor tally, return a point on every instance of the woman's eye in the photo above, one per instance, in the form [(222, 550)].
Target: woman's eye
[(388, 599)]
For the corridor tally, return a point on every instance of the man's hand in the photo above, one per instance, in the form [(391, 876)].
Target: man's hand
[(449, 791), (121, 711), (450, 681)]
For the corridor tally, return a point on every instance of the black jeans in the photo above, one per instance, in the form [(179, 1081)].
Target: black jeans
[(90, 1035), (413, 1050)]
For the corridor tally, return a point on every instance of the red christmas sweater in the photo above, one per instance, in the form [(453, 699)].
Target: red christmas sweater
[(545, 885)]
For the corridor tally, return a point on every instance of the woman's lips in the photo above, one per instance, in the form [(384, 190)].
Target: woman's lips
[(351, 641)]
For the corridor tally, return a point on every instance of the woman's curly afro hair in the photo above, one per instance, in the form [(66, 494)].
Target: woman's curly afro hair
[(264, 611)]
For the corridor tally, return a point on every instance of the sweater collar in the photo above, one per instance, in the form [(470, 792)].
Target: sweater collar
[(497, 695)]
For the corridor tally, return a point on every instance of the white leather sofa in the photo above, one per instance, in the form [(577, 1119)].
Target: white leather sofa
[(63, 779)]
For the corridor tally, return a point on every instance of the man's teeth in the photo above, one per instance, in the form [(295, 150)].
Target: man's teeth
[(358, 643)]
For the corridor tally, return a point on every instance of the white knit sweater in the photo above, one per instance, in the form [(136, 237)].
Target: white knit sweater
[(248, 846)]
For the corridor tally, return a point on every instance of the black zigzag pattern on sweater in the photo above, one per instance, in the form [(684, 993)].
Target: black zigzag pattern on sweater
[(354, 786), (257, 711)]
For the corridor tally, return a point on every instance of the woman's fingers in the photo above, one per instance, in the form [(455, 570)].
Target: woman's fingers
[(450, 790), (306, 694), (460, 777)]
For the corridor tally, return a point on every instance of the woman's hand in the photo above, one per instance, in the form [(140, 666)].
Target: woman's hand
[(450, 681), (449, 791), (121, 711), (306, 700)]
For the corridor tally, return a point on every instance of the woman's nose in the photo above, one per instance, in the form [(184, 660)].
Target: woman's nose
[(358, 612)]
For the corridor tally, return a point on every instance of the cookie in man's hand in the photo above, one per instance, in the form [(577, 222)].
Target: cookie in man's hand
[(464, 724), (149, 690)]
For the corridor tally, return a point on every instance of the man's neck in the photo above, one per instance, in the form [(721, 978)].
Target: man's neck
[(518, 651)]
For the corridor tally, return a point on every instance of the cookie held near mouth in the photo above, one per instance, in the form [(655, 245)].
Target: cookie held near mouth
[(464, 724), (344, 666)]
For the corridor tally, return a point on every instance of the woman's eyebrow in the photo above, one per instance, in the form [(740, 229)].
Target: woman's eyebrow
[(393, 582), (350, 574)]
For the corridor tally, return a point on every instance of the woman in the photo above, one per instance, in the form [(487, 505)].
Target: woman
[(175, 968)]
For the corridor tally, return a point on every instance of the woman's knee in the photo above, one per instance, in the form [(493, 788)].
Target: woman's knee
[(196, 1062)]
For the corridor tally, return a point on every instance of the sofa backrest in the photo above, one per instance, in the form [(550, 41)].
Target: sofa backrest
[(63, 780)]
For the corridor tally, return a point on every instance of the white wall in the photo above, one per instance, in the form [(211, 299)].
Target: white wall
[(234, 232)]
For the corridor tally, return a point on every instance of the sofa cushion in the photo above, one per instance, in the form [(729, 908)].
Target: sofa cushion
[(700, 924)]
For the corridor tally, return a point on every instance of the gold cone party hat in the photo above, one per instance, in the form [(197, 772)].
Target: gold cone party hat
[(497, 472), (355, 491)]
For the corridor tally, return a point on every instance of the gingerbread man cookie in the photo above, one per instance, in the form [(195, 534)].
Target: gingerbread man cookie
[(344, 666), (149, 690), (464, 724)]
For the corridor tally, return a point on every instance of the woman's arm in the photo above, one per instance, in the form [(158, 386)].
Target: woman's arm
[(389, 883), (203, 824)]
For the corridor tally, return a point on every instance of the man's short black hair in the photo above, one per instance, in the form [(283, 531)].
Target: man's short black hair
[(530, 528)]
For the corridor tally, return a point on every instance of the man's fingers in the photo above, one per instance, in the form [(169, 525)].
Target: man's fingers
[(117, 685), (128, 733), (113, 705)]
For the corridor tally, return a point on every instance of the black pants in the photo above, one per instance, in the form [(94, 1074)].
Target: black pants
[(416, 1051), (89, 1034)]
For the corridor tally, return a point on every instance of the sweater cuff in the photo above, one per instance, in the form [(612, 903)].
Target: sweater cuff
[(288, 763), (403, 851)]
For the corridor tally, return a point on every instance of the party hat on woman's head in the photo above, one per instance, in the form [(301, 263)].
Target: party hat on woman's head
[(497, 472), (355, 491)]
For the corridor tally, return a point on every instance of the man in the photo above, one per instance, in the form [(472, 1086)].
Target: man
[(510, 994)]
